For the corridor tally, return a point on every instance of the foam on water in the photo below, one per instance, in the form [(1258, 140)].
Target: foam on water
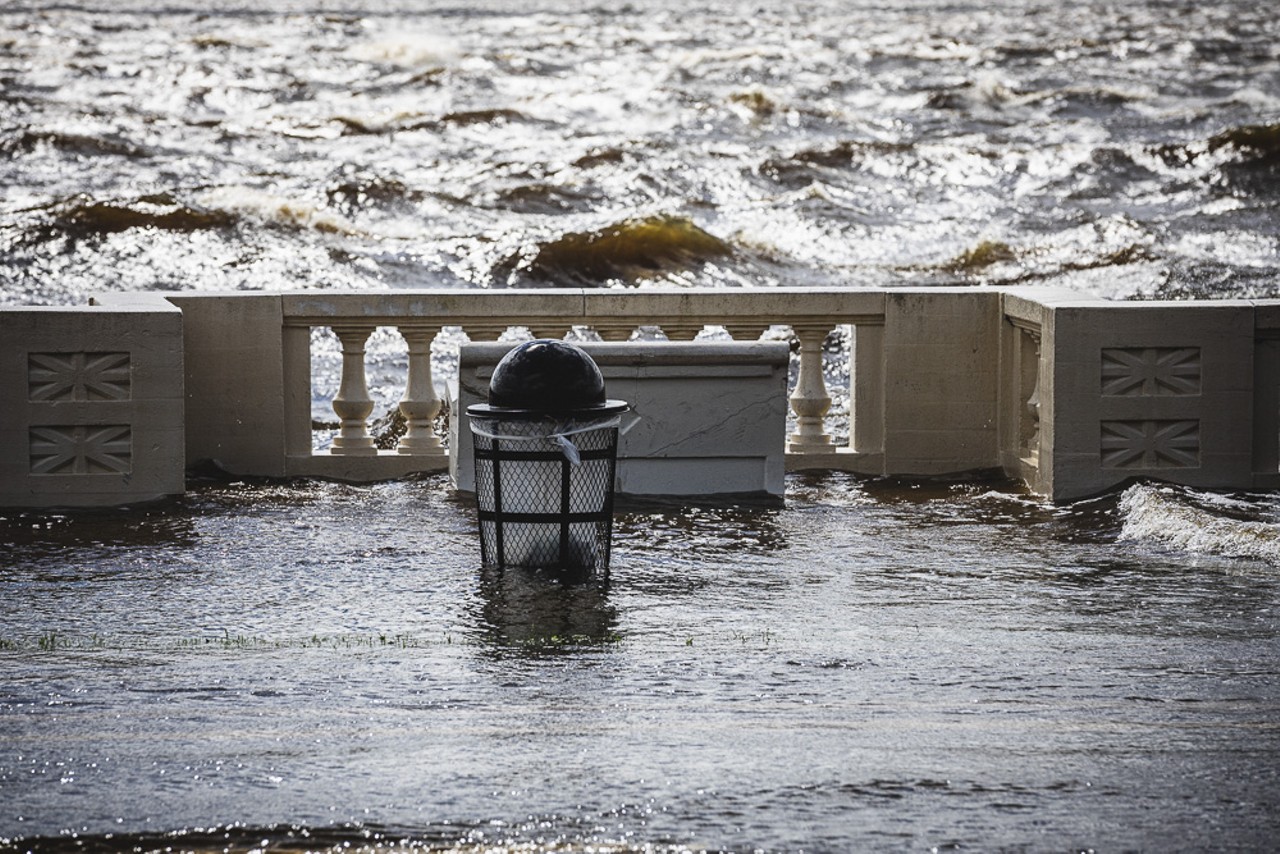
[(407, 48), (1198, 522), (276, 209)]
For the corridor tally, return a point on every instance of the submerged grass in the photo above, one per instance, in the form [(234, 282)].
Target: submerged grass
[(54, 642)]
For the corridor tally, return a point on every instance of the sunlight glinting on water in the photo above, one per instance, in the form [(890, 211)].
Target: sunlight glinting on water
[(827, 145)]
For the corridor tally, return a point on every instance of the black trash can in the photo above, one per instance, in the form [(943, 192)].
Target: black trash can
[(546, 447)]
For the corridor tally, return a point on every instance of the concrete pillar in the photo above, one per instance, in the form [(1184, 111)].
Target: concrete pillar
[(941, 358), (236, 394), (296, 377), (91, 405), (1163, 391), (866, 428)]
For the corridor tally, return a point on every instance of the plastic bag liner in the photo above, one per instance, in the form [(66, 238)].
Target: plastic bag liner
[(544, 490), (538, 430)]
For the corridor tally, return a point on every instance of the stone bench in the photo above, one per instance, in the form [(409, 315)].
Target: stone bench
[(706, 419)]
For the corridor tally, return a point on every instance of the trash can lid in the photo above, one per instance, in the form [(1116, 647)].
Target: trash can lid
[(546, 377)]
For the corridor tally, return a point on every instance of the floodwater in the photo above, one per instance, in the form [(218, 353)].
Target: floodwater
[(876, 666)]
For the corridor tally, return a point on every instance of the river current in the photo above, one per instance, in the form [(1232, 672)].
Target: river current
[(878, 665), (1129, 149)]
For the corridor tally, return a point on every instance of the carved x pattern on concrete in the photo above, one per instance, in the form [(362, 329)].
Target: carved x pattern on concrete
[(1150, 444), (98, 449), (78, 376), (1150, 371)]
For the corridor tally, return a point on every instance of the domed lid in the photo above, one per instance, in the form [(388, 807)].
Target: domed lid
[(547, 377)]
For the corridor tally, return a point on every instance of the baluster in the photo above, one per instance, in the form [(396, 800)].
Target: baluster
[(681, 330), (810, 400), (420, 405), (548, 330), (745, 331), (485, 331), (353, 404), (614, 331)]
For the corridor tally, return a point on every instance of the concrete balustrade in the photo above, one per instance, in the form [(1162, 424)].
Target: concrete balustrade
[(1073, 395)]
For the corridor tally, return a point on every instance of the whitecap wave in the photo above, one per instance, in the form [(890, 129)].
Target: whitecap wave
[(297, 213), (1182, 520), (407, 50)]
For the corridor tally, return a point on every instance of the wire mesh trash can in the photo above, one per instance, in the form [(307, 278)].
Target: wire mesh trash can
[(546, 447)]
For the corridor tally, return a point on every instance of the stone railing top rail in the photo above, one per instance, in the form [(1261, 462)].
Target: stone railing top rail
[(710, 305)]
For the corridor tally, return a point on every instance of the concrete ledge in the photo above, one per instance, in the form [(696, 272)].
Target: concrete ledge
[(387, 465), (707, 419), (840, 459)]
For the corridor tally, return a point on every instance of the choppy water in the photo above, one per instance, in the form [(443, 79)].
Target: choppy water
[(878, 666), (1129, 149), (873, 666)]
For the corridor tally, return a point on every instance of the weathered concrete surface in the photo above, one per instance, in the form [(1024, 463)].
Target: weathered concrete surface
[(706, 418), (1146, 390), (941, 357), (235, 381), (91, 405)]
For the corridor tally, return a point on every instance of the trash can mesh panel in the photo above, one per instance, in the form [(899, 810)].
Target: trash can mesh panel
[(536, 508), (531, 544)]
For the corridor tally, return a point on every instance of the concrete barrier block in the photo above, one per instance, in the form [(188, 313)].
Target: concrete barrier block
[(706, 419), (1151, 391), (92, 403)]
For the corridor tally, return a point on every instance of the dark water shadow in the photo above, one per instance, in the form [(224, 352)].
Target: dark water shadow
[(239, 837), (535, 613), (40, 534)]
